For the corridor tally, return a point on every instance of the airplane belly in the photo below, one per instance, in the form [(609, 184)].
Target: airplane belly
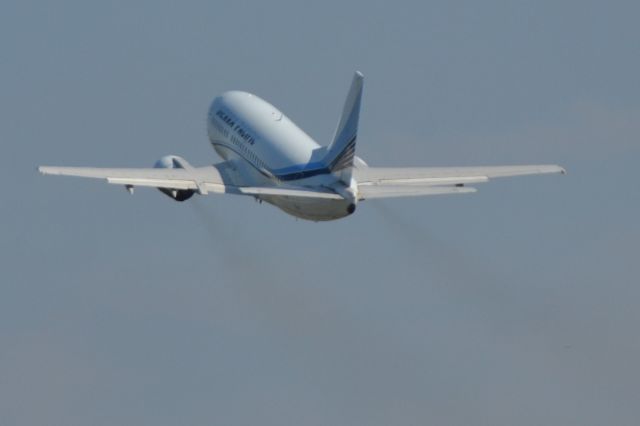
[(312, 209)]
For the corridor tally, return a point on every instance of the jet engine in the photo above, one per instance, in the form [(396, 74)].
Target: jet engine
[(173, 162)]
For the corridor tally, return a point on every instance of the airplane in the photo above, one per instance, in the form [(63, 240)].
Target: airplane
[(268, 157)]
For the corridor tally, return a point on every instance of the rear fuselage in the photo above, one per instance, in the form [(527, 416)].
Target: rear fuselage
[(266, 148)]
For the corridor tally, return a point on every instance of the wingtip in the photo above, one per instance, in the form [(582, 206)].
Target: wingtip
[(359, 74), (46, 170)]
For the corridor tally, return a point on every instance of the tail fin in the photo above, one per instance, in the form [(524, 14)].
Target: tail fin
[(341, 152)]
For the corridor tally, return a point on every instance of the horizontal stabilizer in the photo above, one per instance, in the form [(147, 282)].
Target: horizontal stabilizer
[(287, 192)]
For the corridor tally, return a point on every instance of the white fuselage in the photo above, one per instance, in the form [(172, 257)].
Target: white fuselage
[(266, 147)]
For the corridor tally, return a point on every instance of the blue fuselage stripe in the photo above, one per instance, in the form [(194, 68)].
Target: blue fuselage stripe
[(301, 171), (303, 174)]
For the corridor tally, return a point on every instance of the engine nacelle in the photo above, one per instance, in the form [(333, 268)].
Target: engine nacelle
[(173, 162)]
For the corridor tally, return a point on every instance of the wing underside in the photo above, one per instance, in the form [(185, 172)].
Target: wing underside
[(385, 182)]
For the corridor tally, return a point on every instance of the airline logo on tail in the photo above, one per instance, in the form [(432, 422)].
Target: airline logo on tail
[(345, 158)]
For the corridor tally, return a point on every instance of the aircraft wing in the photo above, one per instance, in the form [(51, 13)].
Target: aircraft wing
[(200, 179), (383, 182)]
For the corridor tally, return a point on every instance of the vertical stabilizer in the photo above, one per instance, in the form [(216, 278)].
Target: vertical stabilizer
[(341, 152)]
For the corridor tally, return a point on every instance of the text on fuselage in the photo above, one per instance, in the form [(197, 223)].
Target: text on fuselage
[(236, 127)]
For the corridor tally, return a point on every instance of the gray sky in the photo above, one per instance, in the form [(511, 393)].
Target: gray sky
[(513, 306)]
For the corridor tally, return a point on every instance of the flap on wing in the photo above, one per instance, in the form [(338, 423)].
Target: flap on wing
[(429, 181), (154, 183), (368, 192)]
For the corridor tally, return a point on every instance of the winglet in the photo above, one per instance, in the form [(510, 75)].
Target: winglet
[(341, 151)]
